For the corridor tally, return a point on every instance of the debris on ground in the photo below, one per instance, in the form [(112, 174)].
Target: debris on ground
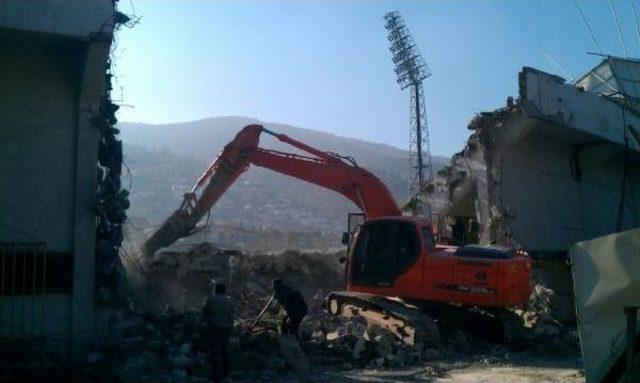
[(537, 316), (182, 278), (167, 343)]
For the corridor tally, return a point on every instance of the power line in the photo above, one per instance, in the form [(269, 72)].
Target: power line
[(617, 20), (635, 16), (555, 63), (586, 24)]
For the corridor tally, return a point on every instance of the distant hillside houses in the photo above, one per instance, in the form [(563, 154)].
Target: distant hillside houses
[(165, 160)]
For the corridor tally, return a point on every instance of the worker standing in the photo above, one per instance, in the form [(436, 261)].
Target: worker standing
[(293, 306), (217, 314)]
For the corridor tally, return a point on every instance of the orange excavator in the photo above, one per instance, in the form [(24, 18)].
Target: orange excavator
[(397, 276)]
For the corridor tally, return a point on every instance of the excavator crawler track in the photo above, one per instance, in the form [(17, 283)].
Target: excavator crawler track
[(407, 322), (422, 324)]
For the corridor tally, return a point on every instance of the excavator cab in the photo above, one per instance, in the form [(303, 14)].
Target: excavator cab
[(384, 249)]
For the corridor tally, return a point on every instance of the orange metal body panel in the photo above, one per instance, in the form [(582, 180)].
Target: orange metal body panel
[(438, 274)]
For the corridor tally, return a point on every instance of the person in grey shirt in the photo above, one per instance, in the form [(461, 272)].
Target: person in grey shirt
[(217, 315)]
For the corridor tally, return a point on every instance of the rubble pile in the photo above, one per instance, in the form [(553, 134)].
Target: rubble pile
[(181, 277), (351, 343), (313, 273), (169, 346), (546, 332), (162, 341), (157, 348), (537, 312)]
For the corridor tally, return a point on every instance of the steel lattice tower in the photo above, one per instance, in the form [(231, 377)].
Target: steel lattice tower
[(411, 70)]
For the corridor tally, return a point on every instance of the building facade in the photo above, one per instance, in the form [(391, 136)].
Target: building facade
[(58, 157)]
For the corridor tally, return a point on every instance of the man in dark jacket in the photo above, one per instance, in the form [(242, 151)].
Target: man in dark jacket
[(217, 314), (293, 305)]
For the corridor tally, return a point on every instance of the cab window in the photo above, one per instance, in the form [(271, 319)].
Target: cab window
[(384, 250), (407, 246)]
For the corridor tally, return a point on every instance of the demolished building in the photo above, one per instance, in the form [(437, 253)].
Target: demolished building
[(559, 164), (61, 202)]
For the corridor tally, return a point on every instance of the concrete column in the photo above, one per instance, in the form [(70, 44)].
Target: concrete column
[(84, 330), (479, 168)]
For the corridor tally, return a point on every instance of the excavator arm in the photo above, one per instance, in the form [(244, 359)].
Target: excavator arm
[(327, 170)]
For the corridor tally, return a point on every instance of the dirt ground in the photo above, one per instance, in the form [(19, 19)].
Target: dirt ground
[(532, 369), (515, 375), (544, 363)]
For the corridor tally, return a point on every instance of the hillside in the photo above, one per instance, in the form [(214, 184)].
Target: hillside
[(165, 160)]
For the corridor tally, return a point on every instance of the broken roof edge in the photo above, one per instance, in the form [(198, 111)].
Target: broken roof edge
[(546, 97), (555, 77), (477, 123)]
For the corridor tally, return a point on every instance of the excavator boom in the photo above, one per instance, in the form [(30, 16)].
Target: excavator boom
[(328, 170)]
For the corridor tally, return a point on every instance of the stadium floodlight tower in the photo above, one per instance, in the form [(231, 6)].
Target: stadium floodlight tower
[(411, 70)]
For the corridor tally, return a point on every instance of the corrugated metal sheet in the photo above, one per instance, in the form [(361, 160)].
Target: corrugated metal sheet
[(615, 77)]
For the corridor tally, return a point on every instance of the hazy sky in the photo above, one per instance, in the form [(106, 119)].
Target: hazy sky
[(325, 65)]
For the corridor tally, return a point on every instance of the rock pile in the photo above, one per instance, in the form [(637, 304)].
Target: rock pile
[(353, 343), (171, 347), (544, 331), (313, 273), (181, 276)]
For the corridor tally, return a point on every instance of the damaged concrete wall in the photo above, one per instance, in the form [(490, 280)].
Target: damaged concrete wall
[(545, 207), (548, 98), (542, 173), (545, 172), (52, 67), (558, 166)]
